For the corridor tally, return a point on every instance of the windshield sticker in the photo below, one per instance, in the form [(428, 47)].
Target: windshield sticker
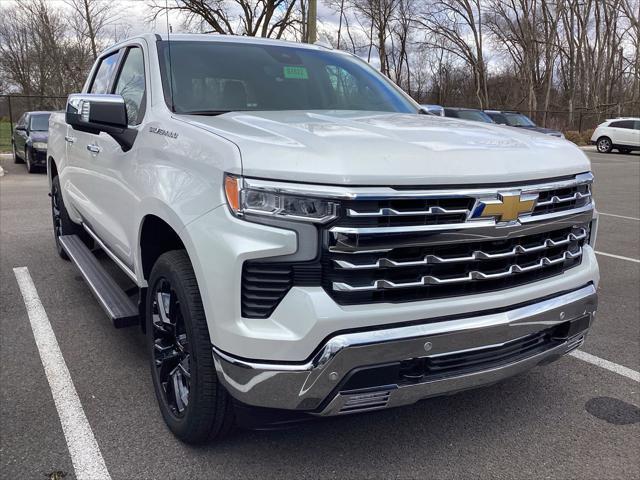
[(298, 73)]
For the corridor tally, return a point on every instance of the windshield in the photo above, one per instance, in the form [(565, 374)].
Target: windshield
[(518, 120), (39, 123), (474, 115), (216, 77)]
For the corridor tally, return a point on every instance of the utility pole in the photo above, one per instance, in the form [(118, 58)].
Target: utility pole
[(312, 32)]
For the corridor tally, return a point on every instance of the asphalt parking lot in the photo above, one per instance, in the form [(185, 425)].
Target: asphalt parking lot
[(572, 419)]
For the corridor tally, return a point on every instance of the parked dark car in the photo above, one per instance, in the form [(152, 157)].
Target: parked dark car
[(520, 120), (30, 137), (467, 114)]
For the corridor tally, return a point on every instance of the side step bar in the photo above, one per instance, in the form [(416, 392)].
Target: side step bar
[(115, 302)]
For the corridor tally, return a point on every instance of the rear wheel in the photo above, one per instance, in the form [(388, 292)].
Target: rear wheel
[(62, 224), (604, 145), (624, 151), (194, 405)]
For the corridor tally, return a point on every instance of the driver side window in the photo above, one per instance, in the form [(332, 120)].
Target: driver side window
[(131, 85)]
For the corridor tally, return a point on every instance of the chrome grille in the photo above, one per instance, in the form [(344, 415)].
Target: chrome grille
[(441, 270), (410, 244), (436, 207)]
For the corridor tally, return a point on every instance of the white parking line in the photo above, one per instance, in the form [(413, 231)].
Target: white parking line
[(619, 216), (619, 257), (606, 364), (83, 448)]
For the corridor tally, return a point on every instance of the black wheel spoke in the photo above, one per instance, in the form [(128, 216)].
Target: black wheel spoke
[(171, 347)]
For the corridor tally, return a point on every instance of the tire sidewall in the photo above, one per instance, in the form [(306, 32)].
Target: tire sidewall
[(27, 159), (181, 426), (56, 191)]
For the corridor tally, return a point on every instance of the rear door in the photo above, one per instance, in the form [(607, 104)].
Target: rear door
[(622, 132), (635, 134)]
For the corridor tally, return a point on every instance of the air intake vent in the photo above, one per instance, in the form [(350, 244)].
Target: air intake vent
[(358, 402), (265, 284)]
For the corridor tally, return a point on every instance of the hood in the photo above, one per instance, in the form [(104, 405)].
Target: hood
[(37, 136), (546, 131), (360, 148)]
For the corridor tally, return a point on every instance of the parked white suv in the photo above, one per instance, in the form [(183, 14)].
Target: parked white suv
[(619, 133), (299, 241)]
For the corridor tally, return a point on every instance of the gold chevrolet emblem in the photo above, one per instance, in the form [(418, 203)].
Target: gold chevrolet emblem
[(507, 208)]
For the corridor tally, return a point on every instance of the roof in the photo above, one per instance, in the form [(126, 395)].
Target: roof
[(211, 37), (463, 108), (622, 118)]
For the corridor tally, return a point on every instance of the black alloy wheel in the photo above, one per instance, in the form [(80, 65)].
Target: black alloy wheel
[(57, 215), (171, 355), (194, 404)]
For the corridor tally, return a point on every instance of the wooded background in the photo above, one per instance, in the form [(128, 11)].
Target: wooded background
[(567, 63)]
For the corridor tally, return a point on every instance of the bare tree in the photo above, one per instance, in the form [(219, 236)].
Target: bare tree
[(90, 19), (457, 27), (256, 18)]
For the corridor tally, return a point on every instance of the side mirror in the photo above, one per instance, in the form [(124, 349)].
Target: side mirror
[(95, 113)]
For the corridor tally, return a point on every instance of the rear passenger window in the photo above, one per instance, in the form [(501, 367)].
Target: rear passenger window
[(100, 82), (622, 124), (131, 85)]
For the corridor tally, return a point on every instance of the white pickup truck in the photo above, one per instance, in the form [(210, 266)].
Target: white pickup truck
[(297, 240)]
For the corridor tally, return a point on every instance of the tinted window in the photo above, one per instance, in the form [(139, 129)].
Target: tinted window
[(210, 76), (103, 75), (39, 123), (498, 118), (131, 85), (475, 115), (636, 125), (622, 124), (518, 120)]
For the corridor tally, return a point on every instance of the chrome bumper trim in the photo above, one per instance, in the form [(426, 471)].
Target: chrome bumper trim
[(308, 385)]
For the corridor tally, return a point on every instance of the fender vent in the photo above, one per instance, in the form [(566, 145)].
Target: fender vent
[(265, 284)]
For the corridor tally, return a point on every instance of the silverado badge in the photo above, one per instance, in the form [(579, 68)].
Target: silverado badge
[(506, 208)]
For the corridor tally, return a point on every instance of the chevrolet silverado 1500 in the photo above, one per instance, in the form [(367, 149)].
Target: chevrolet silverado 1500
[(302, 241)]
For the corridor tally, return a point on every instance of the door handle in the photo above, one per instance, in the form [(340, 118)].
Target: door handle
[(94, 148), (69, 139)]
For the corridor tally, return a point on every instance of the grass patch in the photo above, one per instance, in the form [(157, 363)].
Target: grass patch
[(5, 136)]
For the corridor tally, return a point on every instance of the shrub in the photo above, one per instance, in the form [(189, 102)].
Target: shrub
[(586, 135), (575, 137)]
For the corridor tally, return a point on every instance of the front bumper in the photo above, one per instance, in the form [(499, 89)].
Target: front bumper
[(487, 347)]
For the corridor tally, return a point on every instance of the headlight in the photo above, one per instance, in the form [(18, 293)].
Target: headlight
[(242, 199), (39, 145)]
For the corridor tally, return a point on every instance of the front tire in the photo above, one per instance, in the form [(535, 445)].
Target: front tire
[(604, 145), (28, 155), (193, 403)]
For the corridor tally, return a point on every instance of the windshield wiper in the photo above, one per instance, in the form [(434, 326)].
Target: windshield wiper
[(206, 112)]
